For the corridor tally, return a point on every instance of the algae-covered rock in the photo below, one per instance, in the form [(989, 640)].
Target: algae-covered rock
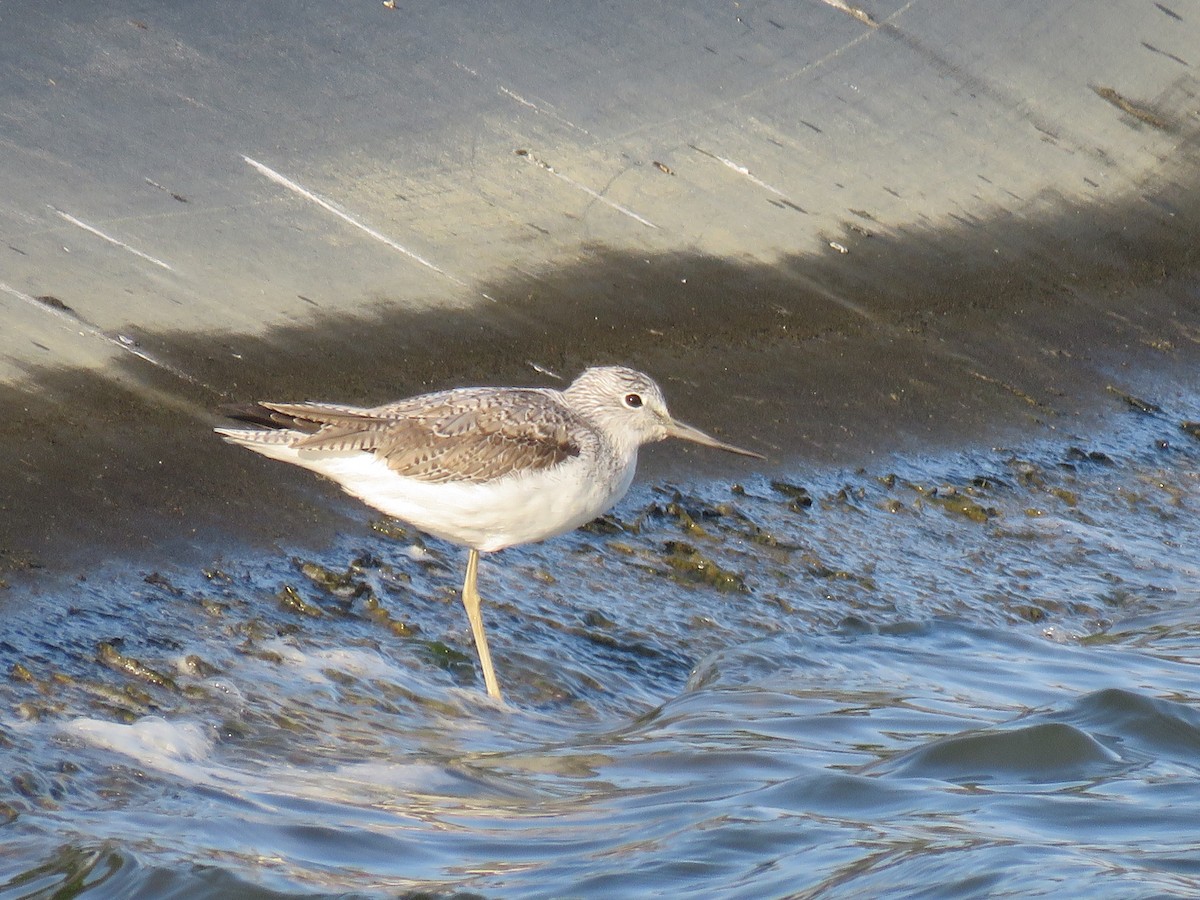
[(391, 528), (956, 501), (689, 566), (158, 580), (799, 499), (374, 610), (449, 658), (606, 524), (108, 655), (290, 600), (197, 667), (1136, 403)]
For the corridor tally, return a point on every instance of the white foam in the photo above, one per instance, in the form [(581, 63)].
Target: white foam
[(396, 778), (311, 664), (185, 750), (222, 686), (153, 741)]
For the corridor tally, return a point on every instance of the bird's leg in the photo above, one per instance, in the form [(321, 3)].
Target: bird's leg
[(471, 601)]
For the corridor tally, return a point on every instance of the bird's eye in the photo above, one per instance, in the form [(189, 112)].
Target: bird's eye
[(633, 401)]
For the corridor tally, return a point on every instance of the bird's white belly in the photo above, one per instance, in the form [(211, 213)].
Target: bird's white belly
[(518, 509)]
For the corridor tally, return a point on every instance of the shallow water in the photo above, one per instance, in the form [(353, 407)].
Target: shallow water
[(960, 675)]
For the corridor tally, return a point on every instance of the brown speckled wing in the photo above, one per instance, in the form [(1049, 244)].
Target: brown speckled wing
[(464, 435)]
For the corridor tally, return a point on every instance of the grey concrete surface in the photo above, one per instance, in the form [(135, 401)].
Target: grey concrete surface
[(837, 228)]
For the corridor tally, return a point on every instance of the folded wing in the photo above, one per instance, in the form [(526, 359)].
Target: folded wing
[(460, 435)]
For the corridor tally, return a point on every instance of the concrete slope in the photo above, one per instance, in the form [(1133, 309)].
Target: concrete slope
[(836, 228)]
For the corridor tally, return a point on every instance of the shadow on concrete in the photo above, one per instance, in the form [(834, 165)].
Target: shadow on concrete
[(906, 340)]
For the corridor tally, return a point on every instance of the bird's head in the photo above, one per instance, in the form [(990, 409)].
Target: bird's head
[(630, 407)]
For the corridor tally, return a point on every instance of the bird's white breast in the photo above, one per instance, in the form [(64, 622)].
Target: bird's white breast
[(517, 509)]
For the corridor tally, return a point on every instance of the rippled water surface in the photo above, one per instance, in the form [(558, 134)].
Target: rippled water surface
[(952, 676)]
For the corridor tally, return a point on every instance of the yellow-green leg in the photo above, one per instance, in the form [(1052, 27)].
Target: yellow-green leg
[(471, 601)]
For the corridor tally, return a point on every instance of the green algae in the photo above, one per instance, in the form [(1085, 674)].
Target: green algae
[(109, 656), (689, 566), (799, 499), (290, 600)]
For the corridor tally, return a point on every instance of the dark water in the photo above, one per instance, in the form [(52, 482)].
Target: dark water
[(962, 675)]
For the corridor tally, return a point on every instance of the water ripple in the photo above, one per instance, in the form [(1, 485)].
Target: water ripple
[(964, 676)]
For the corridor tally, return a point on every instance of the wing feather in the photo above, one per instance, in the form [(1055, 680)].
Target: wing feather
[(462, 435)]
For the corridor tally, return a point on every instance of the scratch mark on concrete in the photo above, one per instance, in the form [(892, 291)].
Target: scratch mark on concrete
[(853, 11), (326, 205), (1170, 12), (166, 190), (72, 321), (525, 154), (1170, 56), (747, 174), (537, 109), (91, 229), (742, 170)]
